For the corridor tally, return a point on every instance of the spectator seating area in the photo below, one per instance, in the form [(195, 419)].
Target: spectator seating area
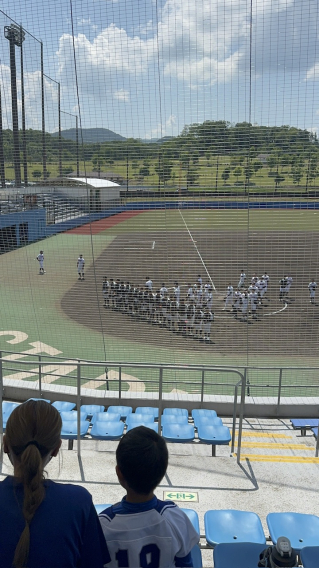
[(304, 424), (237, 537), (203, 426)]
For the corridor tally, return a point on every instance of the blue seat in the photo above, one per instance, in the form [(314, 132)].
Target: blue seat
[(90, 409), (301, 529), (176, 411), (147, 410), (231, 525), (63, 405), (72, 415), (100, 508), (70, 430), (105, 417), (208, 420), (107, 430), (44, 399), (315, 432), (310, 556), (178, 432), (193, 517), (214, 435), (304, 424), (197, 412), (151, 425), (173, 419), (237, 554), (196, 552), (134, 418), (123, 410), (8, 407)]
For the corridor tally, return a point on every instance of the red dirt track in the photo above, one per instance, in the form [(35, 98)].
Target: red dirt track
[(99, 226)]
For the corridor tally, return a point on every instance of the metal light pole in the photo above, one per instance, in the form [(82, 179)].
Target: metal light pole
[(2, 170), (15, 35), (59, 114), (24, 142), (76, 140)]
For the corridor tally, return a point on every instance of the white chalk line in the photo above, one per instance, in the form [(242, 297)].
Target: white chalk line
[(200, 256)]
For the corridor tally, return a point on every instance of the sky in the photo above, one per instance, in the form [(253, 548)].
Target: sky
[(147, 68)]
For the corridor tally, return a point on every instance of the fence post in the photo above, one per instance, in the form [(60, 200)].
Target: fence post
[(40, 377), (279, 389), (78, 404), (234, 420), (160, 399), (120, 382), (202, 390), (241, 416)]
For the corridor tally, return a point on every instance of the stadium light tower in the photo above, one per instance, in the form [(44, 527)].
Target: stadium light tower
[(15, 35), (76, 140), (59, 114)]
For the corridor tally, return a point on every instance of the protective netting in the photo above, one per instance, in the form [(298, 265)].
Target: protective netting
[(164, 157)]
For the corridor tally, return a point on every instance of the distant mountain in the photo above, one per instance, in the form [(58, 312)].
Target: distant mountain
[(158, 140), (91, 135)]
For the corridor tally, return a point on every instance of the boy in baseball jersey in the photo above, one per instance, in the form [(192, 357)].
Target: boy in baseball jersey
[(229, 296), (40, 259), (208, 317), (242, 279), (80, 265), (141, 530)]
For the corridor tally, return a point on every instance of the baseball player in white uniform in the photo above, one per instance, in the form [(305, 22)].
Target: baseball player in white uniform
[(40, 259), (242, 279), (229, 296), (312, 286), (253, 299), (244, 306), (207, 324), (80, 265), (149, 283)]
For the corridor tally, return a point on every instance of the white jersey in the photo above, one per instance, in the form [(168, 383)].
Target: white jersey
[(242, 279), (80, 263), (312, 288), (154, 533), (40, 258), (229, 292), (149, 284), (253, 298), (244, 304), (163, 291)]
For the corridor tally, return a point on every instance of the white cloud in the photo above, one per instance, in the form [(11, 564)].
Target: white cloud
[(122, 95), (165, 129)]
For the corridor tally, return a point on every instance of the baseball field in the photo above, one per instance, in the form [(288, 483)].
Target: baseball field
[(67, 316)]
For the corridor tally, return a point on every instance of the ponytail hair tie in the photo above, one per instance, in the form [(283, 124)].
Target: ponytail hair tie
[(32, 443)]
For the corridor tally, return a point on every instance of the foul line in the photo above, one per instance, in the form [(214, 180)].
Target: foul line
[(201, 259)]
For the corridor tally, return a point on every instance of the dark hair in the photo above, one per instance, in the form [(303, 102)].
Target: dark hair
[(142, 457), (33, 431)]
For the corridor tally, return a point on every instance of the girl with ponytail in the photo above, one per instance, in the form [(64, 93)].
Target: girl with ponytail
[(43, 524)]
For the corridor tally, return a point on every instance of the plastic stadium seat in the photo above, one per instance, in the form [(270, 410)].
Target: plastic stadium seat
[(176, 411), (310, 556), (173, 419), (196, 552), (134, 418), (63, 405), (193, 517), (123, 410), (215, 435), (8, 407), (100, 508), (231, 525), (151, 425), (70, 430), (72, 415), (105, 417), (178, 432), (315, 432), (44, 399), (107, 430), (90, 409), (237, 554), (147, 410), (301, 529), (304, 424), (208, 420), (196, 412)]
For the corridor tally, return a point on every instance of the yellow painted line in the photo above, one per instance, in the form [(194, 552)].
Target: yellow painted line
[(276, 446), (284, 459), (265, 435)]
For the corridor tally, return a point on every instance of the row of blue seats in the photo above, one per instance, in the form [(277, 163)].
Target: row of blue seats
[(238, 538), (304, 424)]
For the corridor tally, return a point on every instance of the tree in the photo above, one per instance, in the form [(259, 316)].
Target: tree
[(238, 172), (191, 176), (226, 174), (278, 179), (163, 169), (257, 165), (67, 170), (296, 175), (144, 171), (36, 174)]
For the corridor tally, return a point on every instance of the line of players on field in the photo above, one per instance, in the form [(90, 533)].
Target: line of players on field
[(191, 316)]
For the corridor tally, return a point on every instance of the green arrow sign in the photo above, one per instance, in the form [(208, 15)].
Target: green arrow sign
[(181, 496)]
